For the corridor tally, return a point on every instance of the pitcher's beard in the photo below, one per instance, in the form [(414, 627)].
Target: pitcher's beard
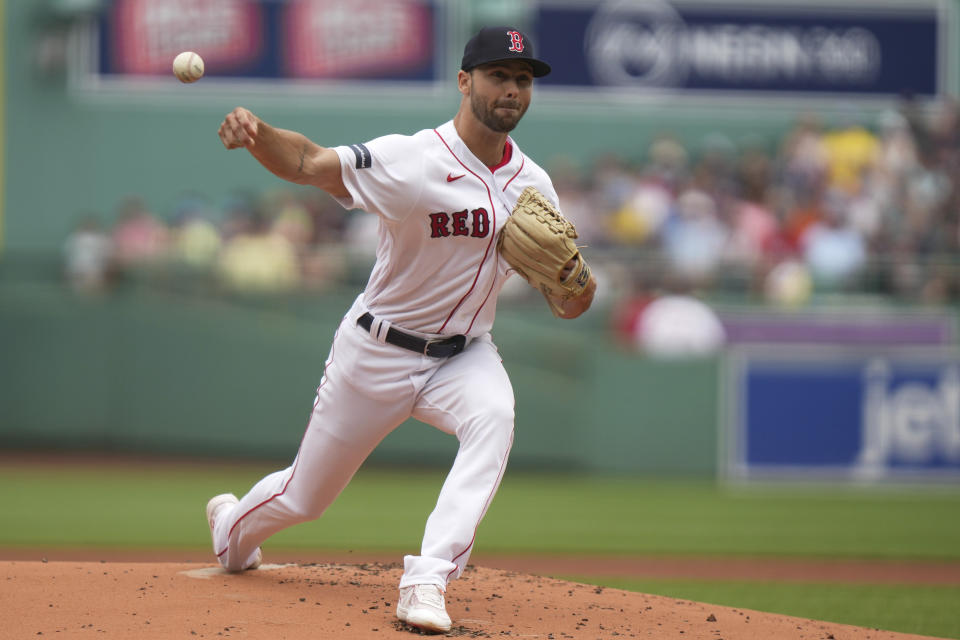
[(500, 124)]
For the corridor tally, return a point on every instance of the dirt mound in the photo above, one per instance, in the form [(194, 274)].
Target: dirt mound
[(297, 601)]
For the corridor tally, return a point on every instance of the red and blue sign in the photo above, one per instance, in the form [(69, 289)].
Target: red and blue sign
[(394, 40)]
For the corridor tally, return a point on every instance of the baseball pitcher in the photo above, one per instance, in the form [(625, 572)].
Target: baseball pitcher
[(460, 209)]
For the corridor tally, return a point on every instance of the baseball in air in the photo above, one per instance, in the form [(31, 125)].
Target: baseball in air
[(188, 66)]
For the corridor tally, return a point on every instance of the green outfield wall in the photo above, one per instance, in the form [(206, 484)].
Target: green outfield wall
[(146, 372), (3, 121)]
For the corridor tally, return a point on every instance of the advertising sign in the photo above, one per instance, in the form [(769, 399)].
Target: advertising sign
[(854, 415), (343, 40), (328, 38), (144, 35), (878, 49)]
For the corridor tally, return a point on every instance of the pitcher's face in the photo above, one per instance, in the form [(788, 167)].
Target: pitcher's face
[(500, 93)]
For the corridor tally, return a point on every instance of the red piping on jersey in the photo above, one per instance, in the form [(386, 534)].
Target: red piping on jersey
[(482, 304), (507, 156), (297, 461), (523, 160), (486, 505), (489, 244)]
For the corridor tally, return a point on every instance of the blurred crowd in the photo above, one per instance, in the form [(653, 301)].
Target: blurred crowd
[(849, 206), (275, 242)]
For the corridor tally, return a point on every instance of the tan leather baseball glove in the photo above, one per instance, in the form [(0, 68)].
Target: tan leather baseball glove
[(538, 242)]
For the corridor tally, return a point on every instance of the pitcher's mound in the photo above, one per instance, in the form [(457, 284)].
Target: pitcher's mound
[(293, 602)]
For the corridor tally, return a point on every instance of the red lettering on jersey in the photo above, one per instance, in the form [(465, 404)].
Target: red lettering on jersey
[(460, 223), (516, 41), (444, 225), (481, 223), (438, 225)]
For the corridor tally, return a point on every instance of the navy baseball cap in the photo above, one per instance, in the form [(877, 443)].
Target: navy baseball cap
[(496, 44)]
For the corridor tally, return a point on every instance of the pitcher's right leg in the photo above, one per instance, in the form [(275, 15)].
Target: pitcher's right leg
[(344, 428)]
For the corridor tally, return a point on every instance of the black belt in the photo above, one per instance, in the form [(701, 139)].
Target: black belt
[(433, 347)]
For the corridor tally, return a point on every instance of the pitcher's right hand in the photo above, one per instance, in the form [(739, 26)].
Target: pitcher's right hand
[(239, 129)]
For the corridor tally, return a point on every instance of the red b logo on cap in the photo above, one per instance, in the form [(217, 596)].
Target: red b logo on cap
[(516, 41)]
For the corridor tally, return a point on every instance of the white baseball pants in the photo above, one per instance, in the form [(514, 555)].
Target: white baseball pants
[(368, 389)]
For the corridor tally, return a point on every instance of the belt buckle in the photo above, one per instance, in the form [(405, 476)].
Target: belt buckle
[(456, 344), (430, 341)]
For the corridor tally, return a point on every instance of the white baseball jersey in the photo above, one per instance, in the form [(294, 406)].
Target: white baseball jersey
[(440, 208), (437, 272)]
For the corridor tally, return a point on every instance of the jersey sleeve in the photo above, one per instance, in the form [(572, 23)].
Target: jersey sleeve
[(383, 175)]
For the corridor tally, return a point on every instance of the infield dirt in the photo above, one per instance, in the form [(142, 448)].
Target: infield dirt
[(164, 600)]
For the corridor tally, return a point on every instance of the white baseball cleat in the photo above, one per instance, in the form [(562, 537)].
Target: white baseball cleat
[(422, 606), (214, 507)]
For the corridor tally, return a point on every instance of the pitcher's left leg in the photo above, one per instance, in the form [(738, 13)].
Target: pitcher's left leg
[(469, 396)]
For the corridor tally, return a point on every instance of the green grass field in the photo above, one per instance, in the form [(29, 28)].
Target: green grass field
[(152, 506), (922, 609)]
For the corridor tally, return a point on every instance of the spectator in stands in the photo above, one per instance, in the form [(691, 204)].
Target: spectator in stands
[(139, 238), (195, 239), (803, 156), (852, 151), (257, 260), (669, 324), (694, 237), (88, 257), (834, 251)]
